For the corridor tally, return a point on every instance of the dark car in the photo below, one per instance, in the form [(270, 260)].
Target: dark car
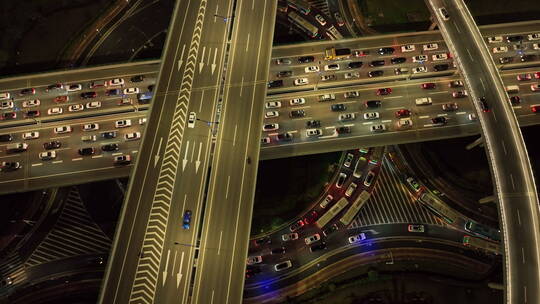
[(403, 113), (137, 78), (56, 86), (275, 84), (330, 229), (252, 270), (355, 64), (28, 91), (351, 94), (317, 247), (483, 104), (427, 86), (108, 135), (282, 74), (110, 147), (87, 151), (452, 106), (313, 123), (151, 87), (263, 240), (515, 100), (296, 225), (343, 130), (9, 166), (504, 60), (386, 51), (440, 120), (440, 67), (96, 261), (398, 60), (311, 217), (187, 219), (297, 113), (514, 38), (279, 250), (306, 59), (5, 137), (376, 73), (113, 92), (86, 95), (373, 103), (338, 107), (375, 63), (384, 91), (8, 115), (32, 113), (525, 58), (285, 136), (52, 145)]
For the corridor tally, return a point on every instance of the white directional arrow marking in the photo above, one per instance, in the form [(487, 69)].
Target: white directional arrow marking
[(214, 62), (166, 266), (201, 64), (180, 61), (198, 161), (179, 274), (156, 157), (184, 161)]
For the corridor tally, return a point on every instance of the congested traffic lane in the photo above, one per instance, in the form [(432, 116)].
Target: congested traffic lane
[(65, 100), (68, 162)]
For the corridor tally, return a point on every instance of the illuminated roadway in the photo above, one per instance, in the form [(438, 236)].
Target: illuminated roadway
[(511, 170)]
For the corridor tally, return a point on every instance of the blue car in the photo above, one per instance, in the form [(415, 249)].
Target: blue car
[(187, 219)]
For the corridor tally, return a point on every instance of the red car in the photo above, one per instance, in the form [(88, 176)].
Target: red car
[(429, 85), (311, 217), (297, 225), (535, 109), (522, 77), (9, 115), (537, 75), (403, 113), (61, 99), (384, 91)]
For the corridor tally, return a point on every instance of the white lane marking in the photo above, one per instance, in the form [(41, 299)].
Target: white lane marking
[(482, 82), (441, 115), (457, 27), (461, 113), (516, 107), (368, 123), (242, 86), (512, 180), (472, 59), (134, 151), (519, 217), (97, 156), (385, 121), (247, 42), (59, 137), (116, 154), (76, 159), (9, 155), (425, 116), (393, 97), (201, 103), (57, 161), (504, 147), (441, 92), (234, 136), (179, 274), (523, 255), (219, 244), (212, 299), (38, 164), (525, 293), (227, 190)]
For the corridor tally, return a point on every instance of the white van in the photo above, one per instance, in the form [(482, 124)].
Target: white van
[(423, 101), (512, 89)]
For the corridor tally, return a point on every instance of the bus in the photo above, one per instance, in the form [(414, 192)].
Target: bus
[(145, 97), (332, 212), (332, 30), (483, 231), (359, 167), (300, 5), (355, 207), (307, 27), (438, 208), (482, 244)]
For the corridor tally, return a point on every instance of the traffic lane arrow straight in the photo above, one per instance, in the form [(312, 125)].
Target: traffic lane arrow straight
[(214, 62), (201, 63), (180, 61), (166, 266), (156, 157), (184, 161), (198, 161)]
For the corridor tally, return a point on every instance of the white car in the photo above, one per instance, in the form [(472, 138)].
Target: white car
[(289, 236), (76, 108), (535, 36), (47, 155), (377, 128), (313, 132), (297, 101), (142, 121), (301, 81), (416, 228), (420, 58), (404, 123), (91, 127), (327, 200), (331, 67), (122, 123), (311, 69), (254, 260), (473, 117), (500, 49), (93, 105), (430, 46), (357, 238), (408, 48), (30, 135), (54, 111), (270, 127), (132, 136), (31, 103), (273, 104), (444, 13), (327, 97), (348, 160), (350, 190), (116, 82), (320, 19), (352, 75), (312, 239), (371, 115), (423, 101), (271, 114), (131, 91), (535, 87), (419, 70), (62, 129), (74, 87), (4, 105), (536, 46), (439, 57), (191, 120), (283, 265), (4, 96), (265, 140), (495, 39), (347, 116)]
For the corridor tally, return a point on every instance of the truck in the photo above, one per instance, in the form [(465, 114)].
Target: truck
[(336, 54)]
